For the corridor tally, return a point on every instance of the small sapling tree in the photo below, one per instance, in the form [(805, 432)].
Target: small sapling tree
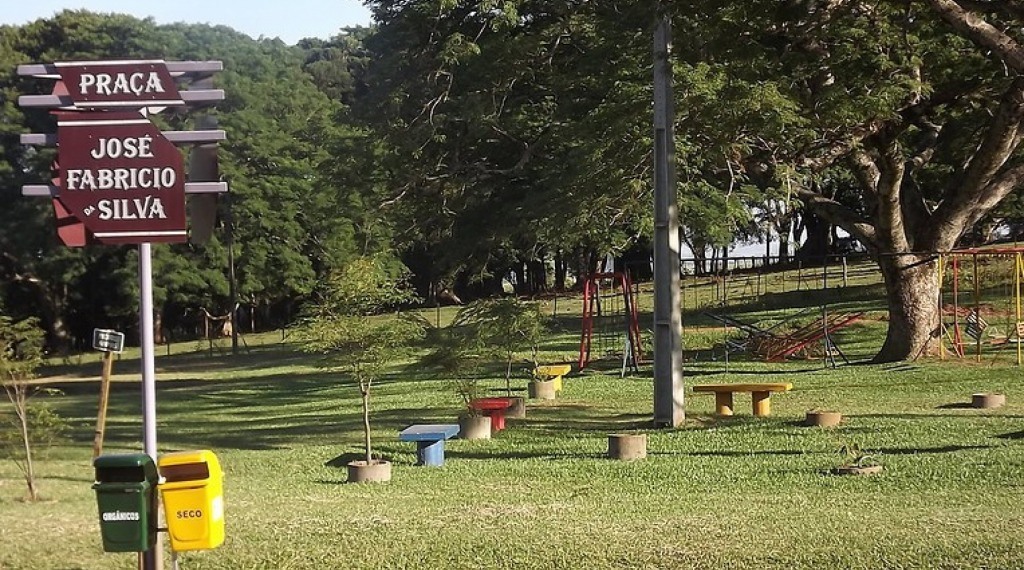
[(350, 327), (505, 326), (32, 427), (455, 356)]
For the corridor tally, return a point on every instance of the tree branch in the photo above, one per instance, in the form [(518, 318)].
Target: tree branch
[(891, 226), (973, 188), (986, 36), (1009, 8), (1008, 180), (840, 215)]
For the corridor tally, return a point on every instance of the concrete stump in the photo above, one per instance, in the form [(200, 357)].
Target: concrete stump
[(822, 418), (518, 409), (626, 447), (474, 427), (988, 401), (542, 389)]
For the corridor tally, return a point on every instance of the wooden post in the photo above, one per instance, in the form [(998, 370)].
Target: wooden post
[(101, 414)]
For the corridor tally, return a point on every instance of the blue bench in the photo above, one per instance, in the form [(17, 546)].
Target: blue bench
[(429, 440)]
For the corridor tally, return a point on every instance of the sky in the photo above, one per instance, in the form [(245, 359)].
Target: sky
[(290, 20)]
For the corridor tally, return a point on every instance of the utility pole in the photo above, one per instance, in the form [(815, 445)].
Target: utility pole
[(669, 393)]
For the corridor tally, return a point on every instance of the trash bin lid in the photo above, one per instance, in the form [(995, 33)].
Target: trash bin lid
[(125, 467), (189, 465)]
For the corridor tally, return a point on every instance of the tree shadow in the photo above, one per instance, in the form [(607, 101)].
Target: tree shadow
[(1012, 435), (928, 416), (923, 450), (341, 461), (737, 453), (485, 455), (581, 418), (768, 372)]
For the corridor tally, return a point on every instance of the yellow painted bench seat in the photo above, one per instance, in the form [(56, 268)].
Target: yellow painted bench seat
[(760, 392), (552, 372)]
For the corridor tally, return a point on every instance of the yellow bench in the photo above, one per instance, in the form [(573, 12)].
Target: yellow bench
[(552, 372), (761, 394)]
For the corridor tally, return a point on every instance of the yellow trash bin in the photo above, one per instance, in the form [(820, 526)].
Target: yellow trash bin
[(193, 495)]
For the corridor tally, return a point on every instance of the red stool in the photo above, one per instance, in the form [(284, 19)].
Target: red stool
[(494, 408)]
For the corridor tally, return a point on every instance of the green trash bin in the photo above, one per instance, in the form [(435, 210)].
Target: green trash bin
[(126, 493)]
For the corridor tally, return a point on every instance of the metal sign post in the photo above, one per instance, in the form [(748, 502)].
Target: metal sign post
[(119, 180), (151, 558)]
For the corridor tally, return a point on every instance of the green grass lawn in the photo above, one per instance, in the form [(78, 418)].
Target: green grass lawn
[(736, 492)]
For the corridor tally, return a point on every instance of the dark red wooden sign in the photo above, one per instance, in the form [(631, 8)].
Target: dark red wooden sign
[(121, 178), (107, 84)]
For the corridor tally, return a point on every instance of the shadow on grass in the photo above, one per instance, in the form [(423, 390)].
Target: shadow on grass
[(262, 414), (254, 358), (547, 455), (928, 416), (737, 453), (580, 418), (921, 450), (955, 406), (344, 459), (1011, 435), (692, 373)]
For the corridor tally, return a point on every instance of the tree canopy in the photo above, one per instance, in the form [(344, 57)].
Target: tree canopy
[(478, 139), (288, 216)]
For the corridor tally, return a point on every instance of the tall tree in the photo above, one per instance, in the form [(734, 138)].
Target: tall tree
[(512, 127), (292, 220), (921, 102)]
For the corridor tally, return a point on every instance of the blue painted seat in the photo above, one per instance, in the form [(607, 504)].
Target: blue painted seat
[(429, 440)]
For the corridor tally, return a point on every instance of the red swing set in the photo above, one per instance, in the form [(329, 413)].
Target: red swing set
[(609, 310)]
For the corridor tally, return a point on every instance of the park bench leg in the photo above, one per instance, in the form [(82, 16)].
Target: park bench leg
[(762, 403), (497, 420), (430, 453), (723, 403), (558, 383)]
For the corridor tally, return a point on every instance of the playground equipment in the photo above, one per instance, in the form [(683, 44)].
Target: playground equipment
[(973, 321), (610, 320), (773, 348), (771, 308), (775, 343)]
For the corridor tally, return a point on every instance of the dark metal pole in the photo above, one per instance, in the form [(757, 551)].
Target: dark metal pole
[(669, 392)]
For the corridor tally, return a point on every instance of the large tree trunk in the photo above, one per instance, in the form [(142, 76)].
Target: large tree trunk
[(158, 326), (912, 293), (561, 268), (538, 274)]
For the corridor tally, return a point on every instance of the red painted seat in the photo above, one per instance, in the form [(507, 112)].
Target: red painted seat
[(494, 408)]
